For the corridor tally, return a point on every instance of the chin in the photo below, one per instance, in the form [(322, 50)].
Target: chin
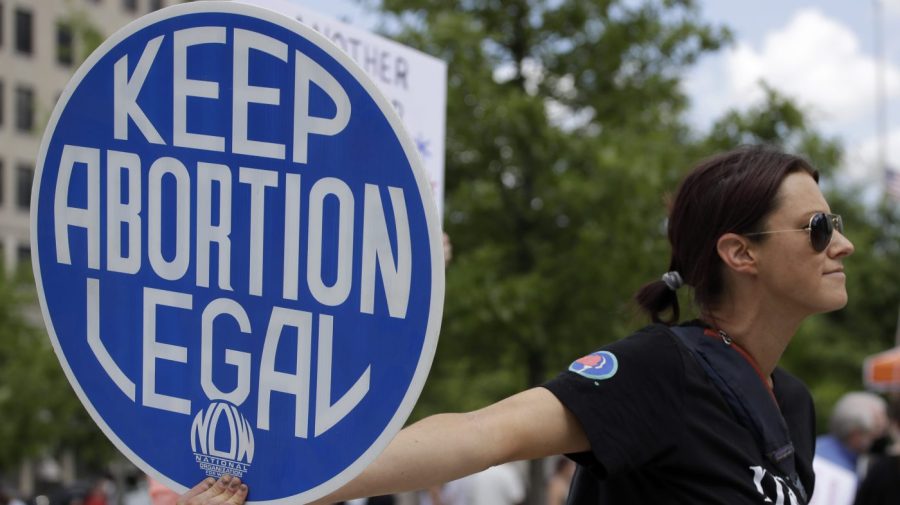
[(836, 302)]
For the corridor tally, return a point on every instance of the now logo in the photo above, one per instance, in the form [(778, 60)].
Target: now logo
[(222, 432)]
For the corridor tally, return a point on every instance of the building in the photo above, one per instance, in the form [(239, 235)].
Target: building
[(41, 45)]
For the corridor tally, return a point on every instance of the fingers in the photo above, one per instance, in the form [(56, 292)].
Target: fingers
[(210, 495), (240, 494), (227, 490), (201, 487), (223, 490), (231, 496)]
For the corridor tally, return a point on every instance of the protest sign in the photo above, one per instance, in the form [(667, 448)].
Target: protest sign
[(237, 254)]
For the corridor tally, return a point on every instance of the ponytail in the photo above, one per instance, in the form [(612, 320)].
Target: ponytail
[(657, 297)]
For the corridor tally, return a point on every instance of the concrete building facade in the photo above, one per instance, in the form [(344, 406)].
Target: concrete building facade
[(42, 42)]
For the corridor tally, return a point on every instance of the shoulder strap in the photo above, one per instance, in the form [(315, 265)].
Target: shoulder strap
[(749, 399)]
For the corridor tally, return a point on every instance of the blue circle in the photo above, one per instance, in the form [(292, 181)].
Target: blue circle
[(87, 295)]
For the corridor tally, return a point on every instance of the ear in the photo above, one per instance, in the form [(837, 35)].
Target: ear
[(736, 253)]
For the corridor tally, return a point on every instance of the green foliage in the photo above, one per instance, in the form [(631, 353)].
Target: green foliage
[(566, 131), (41, 413), (565, 134), (776, 121)]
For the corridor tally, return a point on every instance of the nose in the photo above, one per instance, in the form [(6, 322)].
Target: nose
[(840, 246)]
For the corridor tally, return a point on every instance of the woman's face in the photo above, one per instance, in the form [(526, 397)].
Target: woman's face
[(795, 276)]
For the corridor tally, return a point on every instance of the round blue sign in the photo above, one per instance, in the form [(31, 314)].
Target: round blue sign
[(237, 254)]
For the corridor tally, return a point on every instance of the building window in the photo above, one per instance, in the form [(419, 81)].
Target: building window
[(130, 5), (23, 255), (24, 177), (23, 262), (65, 49), (24, 109), (24, 34)]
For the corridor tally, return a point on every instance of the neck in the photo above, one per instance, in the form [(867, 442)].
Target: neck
[(763, 334)]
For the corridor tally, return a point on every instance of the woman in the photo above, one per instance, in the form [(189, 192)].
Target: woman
[(697, 413)]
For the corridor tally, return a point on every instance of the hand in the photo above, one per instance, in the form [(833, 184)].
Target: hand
[(448, 250), (227, 490)]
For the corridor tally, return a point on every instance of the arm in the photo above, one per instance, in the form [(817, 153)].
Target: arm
[(445, 447)]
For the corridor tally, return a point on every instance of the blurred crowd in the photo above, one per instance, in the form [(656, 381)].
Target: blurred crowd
[(500, 485), (99, 491), (857, 462)]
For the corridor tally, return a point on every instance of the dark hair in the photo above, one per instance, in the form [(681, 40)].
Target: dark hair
[(731, 192)]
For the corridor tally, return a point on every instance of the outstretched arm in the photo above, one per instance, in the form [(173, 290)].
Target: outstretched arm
[(445, 447)]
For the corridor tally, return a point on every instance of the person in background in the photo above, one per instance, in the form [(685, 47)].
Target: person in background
[(558, 483), (498, 485), (449, 493), (160, 494), (137, 492), (375, 500), (8, 498), (98, 494), (697, 412), (881, 486), (858, 419)]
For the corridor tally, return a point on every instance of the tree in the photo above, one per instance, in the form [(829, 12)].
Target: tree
[(564, 126), (778, 121), (41, 413)]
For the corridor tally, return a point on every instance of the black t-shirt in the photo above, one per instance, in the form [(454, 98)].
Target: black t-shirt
[(661, 433), (882, 484)]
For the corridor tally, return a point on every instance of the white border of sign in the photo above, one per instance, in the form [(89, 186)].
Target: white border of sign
[(434, 231)]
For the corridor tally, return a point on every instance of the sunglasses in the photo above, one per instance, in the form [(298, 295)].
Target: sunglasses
[(821, 228)]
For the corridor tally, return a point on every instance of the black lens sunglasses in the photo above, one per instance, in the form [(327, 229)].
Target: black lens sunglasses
[(821, 228)]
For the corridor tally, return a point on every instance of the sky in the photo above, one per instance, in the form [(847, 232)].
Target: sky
[(821, 53), (824, 55)]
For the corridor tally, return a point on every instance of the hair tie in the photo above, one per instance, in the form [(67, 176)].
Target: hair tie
[(673, 280)]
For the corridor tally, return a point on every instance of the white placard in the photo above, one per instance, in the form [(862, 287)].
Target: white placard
[(414, 82)]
